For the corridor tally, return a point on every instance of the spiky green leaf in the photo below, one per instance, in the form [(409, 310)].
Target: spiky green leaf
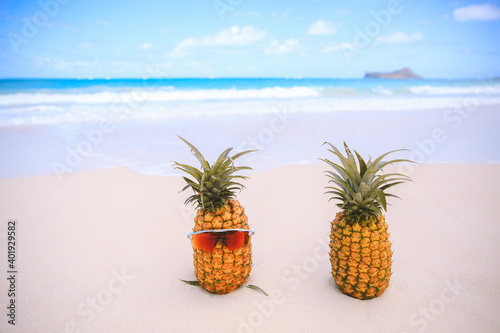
[(251, 286), (358, 185), (192, 283), (213, 184)]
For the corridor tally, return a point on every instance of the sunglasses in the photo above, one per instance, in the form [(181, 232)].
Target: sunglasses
[(206, 240)]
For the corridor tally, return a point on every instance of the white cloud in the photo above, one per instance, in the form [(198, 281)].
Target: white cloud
[(338, 47), (484, 12), (321, 27), (233, 36), (400, 37), (282, 48), (236, 36), (86, 45), (183, 48), (146, 46)]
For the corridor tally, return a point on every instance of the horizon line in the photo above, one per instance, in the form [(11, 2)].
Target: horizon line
[(494, 77)]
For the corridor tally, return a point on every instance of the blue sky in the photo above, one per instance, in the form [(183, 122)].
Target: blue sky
[(243, 38)]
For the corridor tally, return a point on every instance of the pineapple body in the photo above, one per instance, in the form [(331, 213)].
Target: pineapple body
[(222, 271), (361, 256)]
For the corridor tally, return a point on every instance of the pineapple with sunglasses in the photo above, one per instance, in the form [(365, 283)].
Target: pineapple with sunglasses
[(360, 250), (222, 251)]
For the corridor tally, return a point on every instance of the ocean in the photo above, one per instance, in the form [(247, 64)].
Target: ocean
[(59, 126)]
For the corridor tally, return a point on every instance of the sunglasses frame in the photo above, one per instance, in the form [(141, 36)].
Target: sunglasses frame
[(251, 232)]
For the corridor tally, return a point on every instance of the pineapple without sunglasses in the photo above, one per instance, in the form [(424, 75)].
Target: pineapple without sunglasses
[(360, 250), (222, 270)]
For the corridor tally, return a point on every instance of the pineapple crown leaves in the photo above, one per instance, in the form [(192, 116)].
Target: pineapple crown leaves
[(358, 186), (212, 184)]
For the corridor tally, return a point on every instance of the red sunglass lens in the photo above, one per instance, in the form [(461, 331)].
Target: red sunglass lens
[(205, 241), (236, 239)]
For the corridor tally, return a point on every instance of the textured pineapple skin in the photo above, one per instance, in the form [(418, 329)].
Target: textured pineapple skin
[(222, 271), (361, 256)]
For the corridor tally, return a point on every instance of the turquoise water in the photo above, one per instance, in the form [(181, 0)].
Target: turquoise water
[(49, 125), (327, 87)]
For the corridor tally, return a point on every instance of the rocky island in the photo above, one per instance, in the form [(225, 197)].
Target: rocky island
[(404, 73)]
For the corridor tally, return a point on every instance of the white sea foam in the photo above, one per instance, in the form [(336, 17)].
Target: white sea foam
[(470, 90), (382, 90), (81, 113), (161, 95), (169, 94)]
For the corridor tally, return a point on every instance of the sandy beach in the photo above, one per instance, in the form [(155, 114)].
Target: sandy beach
[(103, 251)]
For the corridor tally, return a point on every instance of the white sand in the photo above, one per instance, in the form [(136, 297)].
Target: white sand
[(104, 251)]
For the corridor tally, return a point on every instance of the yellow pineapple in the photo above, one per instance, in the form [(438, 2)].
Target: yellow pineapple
[(360, 250), (221, 270)]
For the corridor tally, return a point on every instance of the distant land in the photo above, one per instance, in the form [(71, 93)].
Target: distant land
[(404, 73)]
